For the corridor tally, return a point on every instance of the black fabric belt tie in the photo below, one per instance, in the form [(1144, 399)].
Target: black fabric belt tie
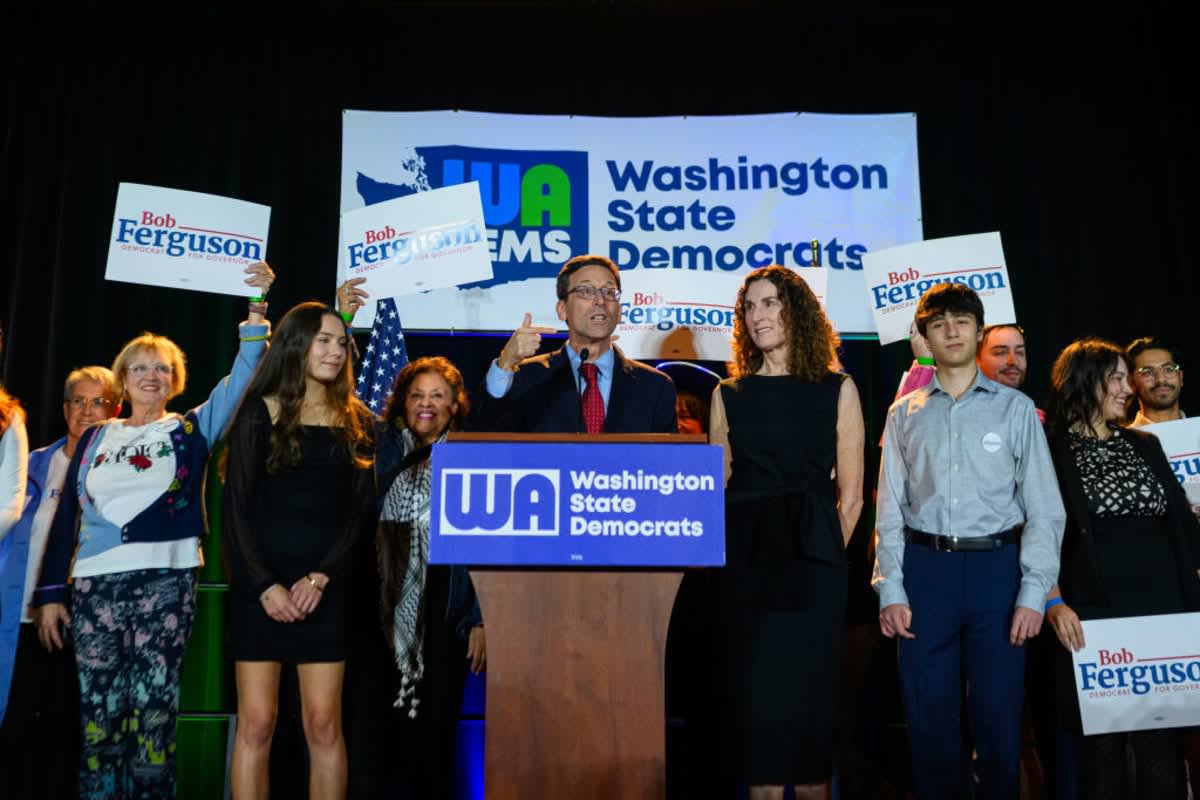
[(963, 544)]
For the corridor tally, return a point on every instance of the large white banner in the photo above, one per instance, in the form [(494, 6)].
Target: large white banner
[(1139, 673), (185, 240), (1180, 440), (681, 204)]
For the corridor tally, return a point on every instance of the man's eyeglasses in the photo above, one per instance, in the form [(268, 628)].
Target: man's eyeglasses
[(609, 293), (1151, 372), (80, 403)]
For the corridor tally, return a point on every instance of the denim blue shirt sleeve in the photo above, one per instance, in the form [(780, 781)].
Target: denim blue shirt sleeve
[(214, 413), (973, 466), (499, 380)]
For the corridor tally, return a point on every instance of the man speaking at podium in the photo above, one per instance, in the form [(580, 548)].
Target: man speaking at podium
[(586, 386)]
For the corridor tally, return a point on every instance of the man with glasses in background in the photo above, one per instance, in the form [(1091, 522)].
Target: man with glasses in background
[(39, 728), (1157, 377), (586, 386)]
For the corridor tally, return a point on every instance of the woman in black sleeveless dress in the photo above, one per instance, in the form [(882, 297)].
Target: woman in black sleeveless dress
[(299, 483), (793, 434)]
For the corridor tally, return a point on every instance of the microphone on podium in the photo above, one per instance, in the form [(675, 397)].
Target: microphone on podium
[(583, 357)]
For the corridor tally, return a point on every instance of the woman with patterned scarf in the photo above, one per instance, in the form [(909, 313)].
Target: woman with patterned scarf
[(430, 613)]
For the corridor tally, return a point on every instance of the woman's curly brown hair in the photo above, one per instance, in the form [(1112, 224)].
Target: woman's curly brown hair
[(813, 346)]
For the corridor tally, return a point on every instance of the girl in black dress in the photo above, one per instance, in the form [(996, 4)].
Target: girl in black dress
[(299, 481), (792, 428), (1129, 549)]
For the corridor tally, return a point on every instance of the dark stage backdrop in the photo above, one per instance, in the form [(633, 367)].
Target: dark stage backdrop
[(1069, 132)]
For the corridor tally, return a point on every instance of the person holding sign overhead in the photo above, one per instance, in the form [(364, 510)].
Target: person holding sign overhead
[(586, 386), (791, 425), (1130, 549), (123, 551), (298, 489)]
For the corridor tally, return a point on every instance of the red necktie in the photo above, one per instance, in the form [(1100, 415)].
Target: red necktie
[(593, 403)]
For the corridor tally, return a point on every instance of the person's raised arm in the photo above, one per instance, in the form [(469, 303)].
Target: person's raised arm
[(523, 343), (214, 413)]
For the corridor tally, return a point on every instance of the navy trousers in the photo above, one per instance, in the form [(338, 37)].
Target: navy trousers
[(962, 607)]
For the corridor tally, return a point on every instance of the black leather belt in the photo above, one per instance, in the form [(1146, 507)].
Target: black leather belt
[(963, 544)]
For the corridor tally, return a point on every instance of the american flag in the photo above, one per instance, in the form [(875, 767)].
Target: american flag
[(385, 356)]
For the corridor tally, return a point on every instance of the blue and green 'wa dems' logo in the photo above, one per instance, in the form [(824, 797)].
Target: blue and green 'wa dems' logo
[(534, 202)]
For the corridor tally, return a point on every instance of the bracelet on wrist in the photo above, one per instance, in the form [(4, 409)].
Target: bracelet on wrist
[(1052, 602), (347, 317), (315, 585), (925, 361)]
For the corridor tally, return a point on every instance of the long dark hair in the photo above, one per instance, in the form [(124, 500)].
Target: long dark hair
[(1077, 380), (812, 341), (282, 373)]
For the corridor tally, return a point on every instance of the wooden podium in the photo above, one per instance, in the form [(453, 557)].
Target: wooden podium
[(575, 673)]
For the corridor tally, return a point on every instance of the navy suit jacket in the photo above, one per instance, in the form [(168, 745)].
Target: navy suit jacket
[(544, 398)]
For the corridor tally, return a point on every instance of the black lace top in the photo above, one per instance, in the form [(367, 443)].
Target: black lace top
[(1116, 480)]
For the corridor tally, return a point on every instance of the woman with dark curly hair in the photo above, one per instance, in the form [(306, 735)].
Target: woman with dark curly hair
[(1129, 550), (792, 428), (298, 490), (430, 613)]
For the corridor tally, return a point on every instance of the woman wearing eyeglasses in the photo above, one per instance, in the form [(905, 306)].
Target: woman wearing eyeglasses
[(123, 551), (1129, 550)]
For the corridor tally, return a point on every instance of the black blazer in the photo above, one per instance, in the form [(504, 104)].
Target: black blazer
[(1079, 575), (544, 398)]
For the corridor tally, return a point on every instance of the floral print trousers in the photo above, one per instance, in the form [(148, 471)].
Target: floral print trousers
[(131, 631)]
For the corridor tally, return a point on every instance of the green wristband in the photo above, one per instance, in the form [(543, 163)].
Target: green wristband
[(346, 316), (925, 362)]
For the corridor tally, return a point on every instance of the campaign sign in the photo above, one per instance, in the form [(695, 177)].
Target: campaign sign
[(898, 276), (671, 323), (1180, 440), (1139, 673), (582, 505), (185, 240), (419, 242)]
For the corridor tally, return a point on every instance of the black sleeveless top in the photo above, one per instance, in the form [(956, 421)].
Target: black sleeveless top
[(781, 493)]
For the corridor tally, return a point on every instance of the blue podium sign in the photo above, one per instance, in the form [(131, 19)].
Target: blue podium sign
[(577, 504)]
